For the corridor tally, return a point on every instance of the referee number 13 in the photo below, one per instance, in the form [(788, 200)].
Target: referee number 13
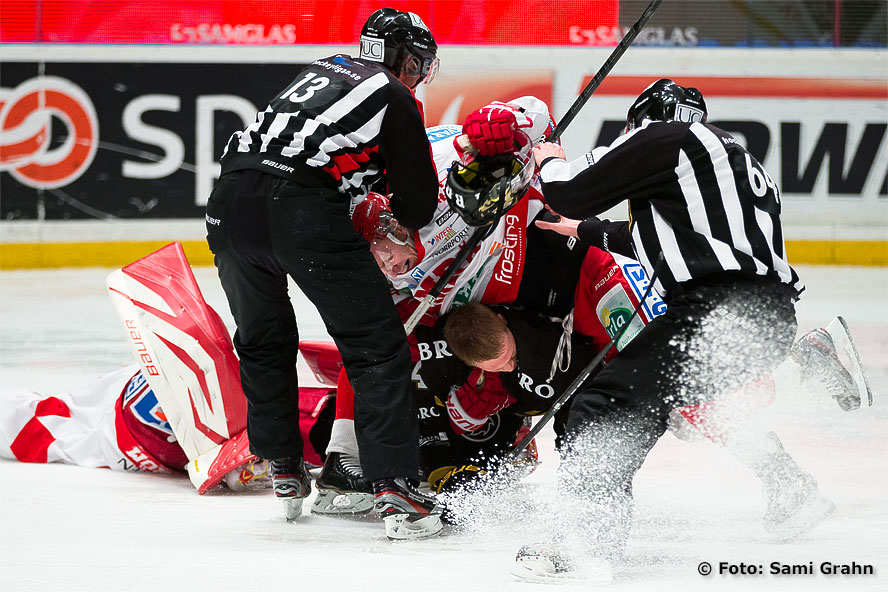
[(311, 83)]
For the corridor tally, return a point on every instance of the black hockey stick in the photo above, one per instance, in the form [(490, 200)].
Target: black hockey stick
[(604, 70), (476, 238), (590, 368)]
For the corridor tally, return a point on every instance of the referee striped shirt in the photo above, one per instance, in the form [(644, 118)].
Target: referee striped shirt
[(344, 123), (695, 195)]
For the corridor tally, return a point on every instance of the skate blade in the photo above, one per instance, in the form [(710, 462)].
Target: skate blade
[(809, 516), (292, 508), (334, 503), (534, 570), (399, 528), (841, 336)]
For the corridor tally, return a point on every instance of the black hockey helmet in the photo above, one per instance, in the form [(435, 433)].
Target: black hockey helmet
[(481, 189), (391, 37), (665, 100)]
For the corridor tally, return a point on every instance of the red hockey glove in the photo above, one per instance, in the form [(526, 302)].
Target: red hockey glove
[(481, 396), (371, 215), (492, 130)]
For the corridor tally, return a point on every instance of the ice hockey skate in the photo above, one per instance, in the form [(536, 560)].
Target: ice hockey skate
[(291, 484), (342, 489), (829, 355), (549, 563), (254, 475), (407, 513), (795, 506)]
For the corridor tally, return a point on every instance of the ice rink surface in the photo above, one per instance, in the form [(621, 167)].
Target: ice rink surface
[(72, 528)]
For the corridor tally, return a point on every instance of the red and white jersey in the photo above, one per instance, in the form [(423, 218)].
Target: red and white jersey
[(492, 272), (91, 426)]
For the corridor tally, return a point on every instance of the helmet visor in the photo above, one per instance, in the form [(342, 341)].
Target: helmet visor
[(429, 69)]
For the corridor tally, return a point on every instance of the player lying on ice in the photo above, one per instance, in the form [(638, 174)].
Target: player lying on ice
[(143, 417)]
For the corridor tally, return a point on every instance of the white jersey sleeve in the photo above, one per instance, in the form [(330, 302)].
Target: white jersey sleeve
[(82, 427)]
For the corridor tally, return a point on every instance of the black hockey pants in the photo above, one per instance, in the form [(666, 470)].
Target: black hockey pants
[(716, 335), (262, 228)]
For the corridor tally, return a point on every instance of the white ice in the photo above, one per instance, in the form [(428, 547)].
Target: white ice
[(71, 528)]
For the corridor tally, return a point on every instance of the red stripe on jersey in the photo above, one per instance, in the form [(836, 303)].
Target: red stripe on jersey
[(343, 164), (32, 442)]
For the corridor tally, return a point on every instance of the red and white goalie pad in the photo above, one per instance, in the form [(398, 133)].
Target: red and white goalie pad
[(183, 348)]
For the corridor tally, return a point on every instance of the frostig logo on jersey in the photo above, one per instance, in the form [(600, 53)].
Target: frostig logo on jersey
[(509, 257), (27, 113)]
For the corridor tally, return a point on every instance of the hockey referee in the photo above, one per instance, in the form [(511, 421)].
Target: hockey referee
[(281, 208), (705, 222)]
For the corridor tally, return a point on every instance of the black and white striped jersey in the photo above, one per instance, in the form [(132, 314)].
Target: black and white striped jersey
[(695, 195), (344, 123)]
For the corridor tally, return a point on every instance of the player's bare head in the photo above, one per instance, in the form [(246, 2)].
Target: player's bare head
[(665, 100), (480, 337), (402, 43), (395, 253)]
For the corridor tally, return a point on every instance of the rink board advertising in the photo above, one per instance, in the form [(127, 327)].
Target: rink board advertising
[(142, 140)]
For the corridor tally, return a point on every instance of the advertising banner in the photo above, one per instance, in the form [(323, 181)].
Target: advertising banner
[(141, 141)]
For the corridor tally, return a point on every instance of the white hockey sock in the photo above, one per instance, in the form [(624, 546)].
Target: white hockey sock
[(343, 439)]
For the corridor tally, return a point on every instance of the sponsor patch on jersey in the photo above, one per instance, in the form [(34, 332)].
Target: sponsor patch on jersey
[(444, 235), (440, 220), (653, 305), (343, 61), (442, 132), (417, 274), (142, 403)]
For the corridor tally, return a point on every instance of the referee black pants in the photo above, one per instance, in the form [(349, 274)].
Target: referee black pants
[(263, 228), (715, 336)]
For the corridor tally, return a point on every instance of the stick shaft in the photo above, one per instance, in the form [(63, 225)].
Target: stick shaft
[(604, 70), (587, 371)]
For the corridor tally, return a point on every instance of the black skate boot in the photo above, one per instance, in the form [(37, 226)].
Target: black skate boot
[(291, 483), (407, 513), (342, 489)]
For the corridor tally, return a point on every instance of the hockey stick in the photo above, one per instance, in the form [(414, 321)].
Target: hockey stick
[(585, 374), (604, 70)]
